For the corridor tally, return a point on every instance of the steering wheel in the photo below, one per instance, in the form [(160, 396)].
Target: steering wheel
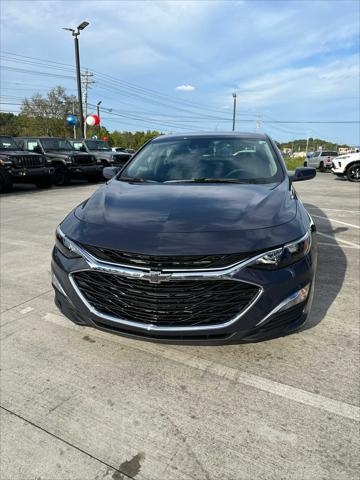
[(236, 170)]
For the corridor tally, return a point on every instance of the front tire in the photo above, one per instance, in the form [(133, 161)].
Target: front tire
[(353, 172), (6, 184), (61, 176), (93, 179)]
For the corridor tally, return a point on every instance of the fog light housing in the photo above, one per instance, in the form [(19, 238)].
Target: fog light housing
[(57, 285), (294, 299)]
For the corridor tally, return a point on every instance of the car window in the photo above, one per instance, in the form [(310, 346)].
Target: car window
[(97, 145), (182, 159), (8, 143), (32, 144), (56, 145), (77, 145)]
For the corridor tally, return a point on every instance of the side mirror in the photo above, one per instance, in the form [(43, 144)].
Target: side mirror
[(82, 148), (37, 149), (303, 173), (110, 172)]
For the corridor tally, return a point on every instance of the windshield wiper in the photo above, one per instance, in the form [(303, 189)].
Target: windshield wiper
[(136, 180), (211, 180)]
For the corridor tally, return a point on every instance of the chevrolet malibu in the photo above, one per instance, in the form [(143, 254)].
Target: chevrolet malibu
[(200, 238)]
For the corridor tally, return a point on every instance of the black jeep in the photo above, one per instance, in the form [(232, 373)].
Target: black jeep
[(67, 163), (17, 166)]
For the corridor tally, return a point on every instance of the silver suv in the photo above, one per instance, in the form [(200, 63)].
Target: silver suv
[(321, 159)]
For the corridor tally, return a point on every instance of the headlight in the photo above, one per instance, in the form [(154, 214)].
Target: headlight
[(66, 247), (286, 255), (5, 160)]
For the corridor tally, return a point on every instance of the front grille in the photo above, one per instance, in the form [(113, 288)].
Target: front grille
[(165, 262), (174, 302), (83, 159), (120, 160), (29, 161)]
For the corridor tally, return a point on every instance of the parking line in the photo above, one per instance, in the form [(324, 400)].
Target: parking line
[(332, 209), (336, 245), (336, 221), (339, 240), (167, 352)]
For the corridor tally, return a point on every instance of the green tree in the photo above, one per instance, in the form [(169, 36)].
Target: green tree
[(56, 104)]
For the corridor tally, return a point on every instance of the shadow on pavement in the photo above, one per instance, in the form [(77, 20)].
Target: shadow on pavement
[(331, 269)]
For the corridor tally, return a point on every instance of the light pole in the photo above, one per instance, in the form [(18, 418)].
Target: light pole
[(234, 111), (75, 33), (98, 113)]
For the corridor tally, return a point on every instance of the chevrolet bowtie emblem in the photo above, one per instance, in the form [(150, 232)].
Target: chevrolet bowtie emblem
[(155, 276)]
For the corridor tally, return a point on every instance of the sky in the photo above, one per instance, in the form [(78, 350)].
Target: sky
[(174, 65)]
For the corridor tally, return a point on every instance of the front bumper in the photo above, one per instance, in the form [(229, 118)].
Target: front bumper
[(27, 174), (85, 171), (260, 320)]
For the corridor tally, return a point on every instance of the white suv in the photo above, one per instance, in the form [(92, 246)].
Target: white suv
[(348, 166), (321, 159)]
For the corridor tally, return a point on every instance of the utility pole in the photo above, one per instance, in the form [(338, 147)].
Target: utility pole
[(74, 127), (75, 33), (234, 111), (87, 81), (307, 145), (258, 123), (98, 113)]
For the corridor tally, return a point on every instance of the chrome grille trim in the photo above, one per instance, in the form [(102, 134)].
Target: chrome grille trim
[(223, 274), (159, 328)]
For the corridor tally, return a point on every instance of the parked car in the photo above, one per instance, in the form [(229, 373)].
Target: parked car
[(200, 238), (123, 149), (17, 166), (321, 159), (102, 152), (68, 164), (348, 166)]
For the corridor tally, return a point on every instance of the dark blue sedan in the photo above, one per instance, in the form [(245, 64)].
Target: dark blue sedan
[(200, 238)]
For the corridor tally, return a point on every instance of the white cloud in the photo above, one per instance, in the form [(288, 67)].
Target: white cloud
[(185, 88)]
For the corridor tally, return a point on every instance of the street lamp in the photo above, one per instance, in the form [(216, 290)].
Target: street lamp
[(98, 112), (75, 33), (234, 111)]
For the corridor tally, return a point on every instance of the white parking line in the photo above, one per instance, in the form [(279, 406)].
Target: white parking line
[(336, 221), (294, 394), (332, 209), (339, 240), (26, 310), (337, 245)]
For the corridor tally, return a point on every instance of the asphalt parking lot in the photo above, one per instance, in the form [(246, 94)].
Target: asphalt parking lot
[(81, 404)]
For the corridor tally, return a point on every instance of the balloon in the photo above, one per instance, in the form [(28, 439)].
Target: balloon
[(71, 119), (92, 120), (106, 139)]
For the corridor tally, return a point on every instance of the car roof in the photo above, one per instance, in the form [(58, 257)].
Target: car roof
[(247, 135), (41, 136)]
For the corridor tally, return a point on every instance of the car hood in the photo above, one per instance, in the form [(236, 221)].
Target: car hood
[(187, 219), (187, 208), (18, 153), (65, 154)]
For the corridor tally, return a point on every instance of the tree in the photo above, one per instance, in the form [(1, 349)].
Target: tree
[(55, 105)]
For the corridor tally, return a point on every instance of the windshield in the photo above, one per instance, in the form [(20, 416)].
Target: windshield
[(56, 145), (205, 159), (8, 143), (97, 145)]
